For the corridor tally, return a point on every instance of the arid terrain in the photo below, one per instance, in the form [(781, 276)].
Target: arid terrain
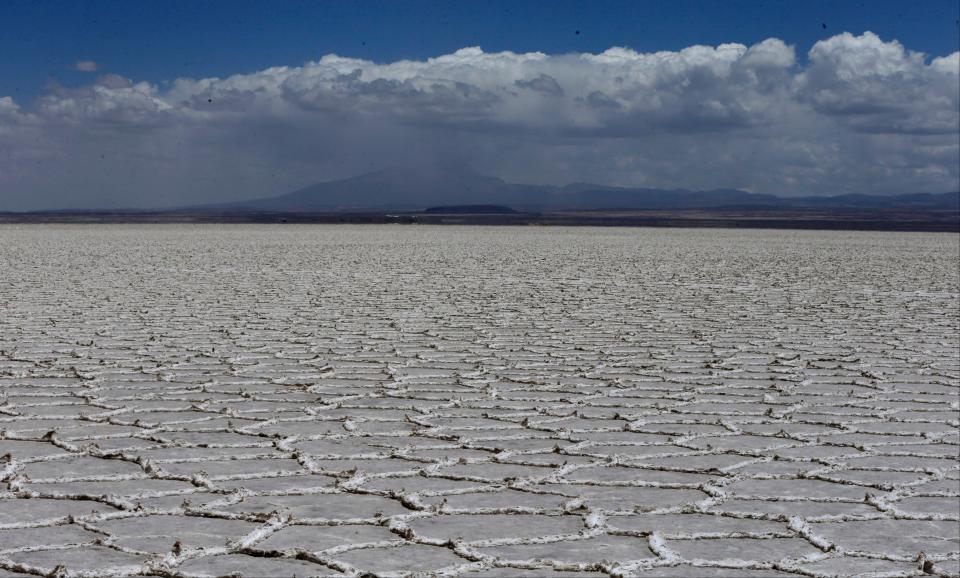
[(386, 400), (931, 221)]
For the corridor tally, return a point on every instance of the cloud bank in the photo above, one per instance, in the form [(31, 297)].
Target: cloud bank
[(858, 115)]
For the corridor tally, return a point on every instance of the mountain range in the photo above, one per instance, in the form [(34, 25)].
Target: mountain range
[(416, 188)]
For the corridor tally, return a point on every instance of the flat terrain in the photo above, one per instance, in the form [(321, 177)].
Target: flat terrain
[(831, 219), (202, 400)]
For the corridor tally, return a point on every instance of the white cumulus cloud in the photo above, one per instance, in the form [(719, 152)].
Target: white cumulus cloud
[(857, 114), (86, 66)]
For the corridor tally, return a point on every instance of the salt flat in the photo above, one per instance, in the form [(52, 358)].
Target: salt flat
[(324, 400)]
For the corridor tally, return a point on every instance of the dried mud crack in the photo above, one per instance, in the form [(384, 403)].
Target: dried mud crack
[(187, 401)]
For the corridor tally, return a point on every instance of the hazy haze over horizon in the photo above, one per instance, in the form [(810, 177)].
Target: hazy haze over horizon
[(855, 112)]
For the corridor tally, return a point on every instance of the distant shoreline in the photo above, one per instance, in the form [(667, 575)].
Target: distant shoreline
[(852, 220)]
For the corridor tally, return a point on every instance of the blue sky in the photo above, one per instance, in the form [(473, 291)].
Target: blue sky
[(156, 104), (159, 41)]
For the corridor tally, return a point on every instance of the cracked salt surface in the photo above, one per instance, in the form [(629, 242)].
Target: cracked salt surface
[(327, 401)]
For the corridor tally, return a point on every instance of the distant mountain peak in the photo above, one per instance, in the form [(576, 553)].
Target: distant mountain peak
[(444, 184)]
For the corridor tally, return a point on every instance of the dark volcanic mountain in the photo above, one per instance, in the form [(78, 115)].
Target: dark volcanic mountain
[(419, 187), (398, 188)]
